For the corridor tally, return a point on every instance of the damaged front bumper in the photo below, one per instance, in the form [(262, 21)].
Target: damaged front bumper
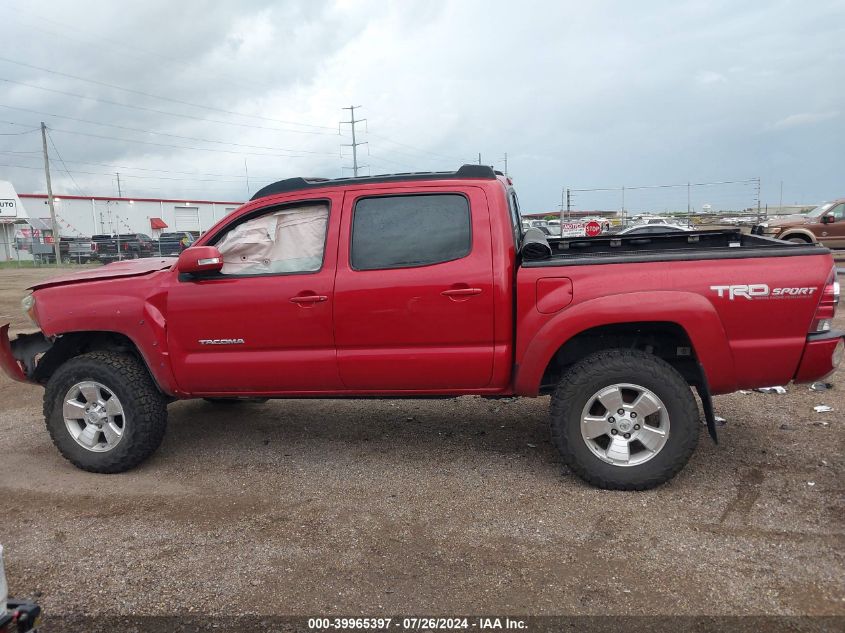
[(18, 358)]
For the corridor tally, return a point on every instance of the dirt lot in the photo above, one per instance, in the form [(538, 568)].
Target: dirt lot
[(423, 507)]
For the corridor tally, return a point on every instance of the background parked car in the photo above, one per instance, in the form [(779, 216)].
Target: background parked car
[(108, 248), (650, 229), (171, 244), (75, 250)]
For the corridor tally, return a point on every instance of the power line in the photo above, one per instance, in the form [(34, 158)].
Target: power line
[(17, 133), (181, 136), (199, 149), (100, 39), (67, 171), (145, 131), (148, 169), (157, 111), (417, 149), (159, 97)]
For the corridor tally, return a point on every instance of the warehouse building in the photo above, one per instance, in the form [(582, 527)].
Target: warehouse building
[(96, 215)]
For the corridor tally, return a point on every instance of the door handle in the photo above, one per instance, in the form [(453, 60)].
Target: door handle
[(306, 299), (461, 292)]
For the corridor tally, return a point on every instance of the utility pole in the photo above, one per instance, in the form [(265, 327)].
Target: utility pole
[(354, 144), (623, 205), (506, 163), (568, 204), (479, 158), (246, 171), (119, 192), (56, 237)]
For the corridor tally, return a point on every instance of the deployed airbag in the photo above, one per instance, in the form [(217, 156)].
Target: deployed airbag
[(289, 240)]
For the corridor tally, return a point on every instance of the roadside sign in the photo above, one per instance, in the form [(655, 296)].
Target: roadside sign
[(8, 208), (572, 229), (592, 229)]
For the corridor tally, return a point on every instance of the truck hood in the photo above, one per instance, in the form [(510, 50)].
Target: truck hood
[(115, 270), (790, 220)]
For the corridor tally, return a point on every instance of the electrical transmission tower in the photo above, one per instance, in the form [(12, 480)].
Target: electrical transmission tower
[(354, 144)]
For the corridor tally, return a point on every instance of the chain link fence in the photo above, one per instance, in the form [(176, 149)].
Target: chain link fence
[(34, 253), (729, 202)]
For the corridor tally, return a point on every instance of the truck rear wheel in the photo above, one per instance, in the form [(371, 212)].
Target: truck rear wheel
[(624, 420), (104, 413)]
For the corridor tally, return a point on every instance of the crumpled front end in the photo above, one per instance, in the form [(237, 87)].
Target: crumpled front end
[(18, 358)]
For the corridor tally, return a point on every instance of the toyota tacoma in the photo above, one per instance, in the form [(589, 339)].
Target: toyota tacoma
[(315, 288)]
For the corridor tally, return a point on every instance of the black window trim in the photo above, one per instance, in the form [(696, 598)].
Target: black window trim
[(415, 194), (256, 213)]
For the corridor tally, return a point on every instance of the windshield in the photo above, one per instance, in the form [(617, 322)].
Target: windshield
[(814, 213)]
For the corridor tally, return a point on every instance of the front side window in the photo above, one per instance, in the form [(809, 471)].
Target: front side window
[(407, 231), (287, 240)]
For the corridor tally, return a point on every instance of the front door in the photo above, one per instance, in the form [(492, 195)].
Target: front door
[(414, 291), (264, 325), (832, 234)]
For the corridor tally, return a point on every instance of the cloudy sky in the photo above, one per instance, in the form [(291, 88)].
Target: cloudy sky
[(184, 98)]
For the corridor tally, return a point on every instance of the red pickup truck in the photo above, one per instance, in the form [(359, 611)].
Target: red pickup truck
[(317, 288)]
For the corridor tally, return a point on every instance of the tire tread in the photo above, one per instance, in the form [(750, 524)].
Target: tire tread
[(147, 408), (639, 363)]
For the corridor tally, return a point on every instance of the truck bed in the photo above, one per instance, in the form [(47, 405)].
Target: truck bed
[(676, 246)]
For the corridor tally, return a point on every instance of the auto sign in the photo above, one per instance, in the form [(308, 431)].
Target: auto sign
[(8, 208)]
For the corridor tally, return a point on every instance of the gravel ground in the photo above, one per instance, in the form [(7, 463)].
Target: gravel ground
[(424, 507)]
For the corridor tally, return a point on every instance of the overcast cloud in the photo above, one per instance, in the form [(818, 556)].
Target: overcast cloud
[(579, 94)]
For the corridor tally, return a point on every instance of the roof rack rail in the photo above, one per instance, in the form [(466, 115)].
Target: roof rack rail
[(295, 184)]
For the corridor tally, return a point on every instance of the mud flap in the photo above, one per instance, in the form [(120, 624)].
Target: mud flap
[(707, 403)]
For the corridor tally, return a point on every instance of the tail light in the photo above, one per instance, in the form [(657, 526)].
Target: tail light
[(823, 319), (125, 246), (93, 247)]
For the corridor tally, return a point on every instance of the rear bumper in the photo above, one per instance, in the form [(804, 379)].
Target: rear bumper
[(822, 355)]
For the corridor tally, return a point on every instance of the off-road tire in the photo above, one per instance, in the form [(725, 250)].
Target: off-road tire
[(605, 368), (798, 240), (145, 407)]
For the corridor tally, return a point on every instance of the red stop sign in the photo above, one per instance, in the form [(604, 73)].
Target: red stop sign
[(593, 228)]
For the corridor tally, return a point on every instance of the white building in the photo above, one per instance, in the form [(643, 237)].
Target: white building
[(97, 215)]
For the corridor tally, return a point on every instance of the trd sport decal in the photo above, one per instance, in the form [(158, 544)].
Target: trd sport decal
[(761, 291)]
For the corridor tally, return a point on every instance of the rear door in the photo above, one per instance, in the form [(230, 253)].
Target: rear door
[(414, 290)]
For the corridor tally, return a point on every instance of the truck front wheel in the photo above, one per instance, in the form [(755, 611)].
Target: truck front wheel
[(104, 413), (624, 420)]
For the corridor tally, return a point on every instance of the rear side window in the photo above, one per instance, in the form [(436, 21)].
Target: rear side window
[(407, 231)]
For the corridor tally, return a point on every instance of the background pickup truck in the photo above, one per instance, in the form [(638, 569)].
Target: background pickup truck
[(109, 248), (315, 288), (825, 224)]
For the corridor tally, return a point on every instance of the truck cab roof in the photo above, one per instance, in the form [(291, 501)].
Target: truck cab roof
[(481, 172)]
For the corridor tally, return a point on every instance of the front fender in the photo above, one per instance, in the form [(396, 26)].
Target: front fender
[(692, 312), (139, 318), (795, 232)]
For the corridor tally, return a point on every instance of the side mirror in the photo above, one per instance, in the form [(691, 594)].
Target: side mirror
[(828, 219), (200, 259)]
